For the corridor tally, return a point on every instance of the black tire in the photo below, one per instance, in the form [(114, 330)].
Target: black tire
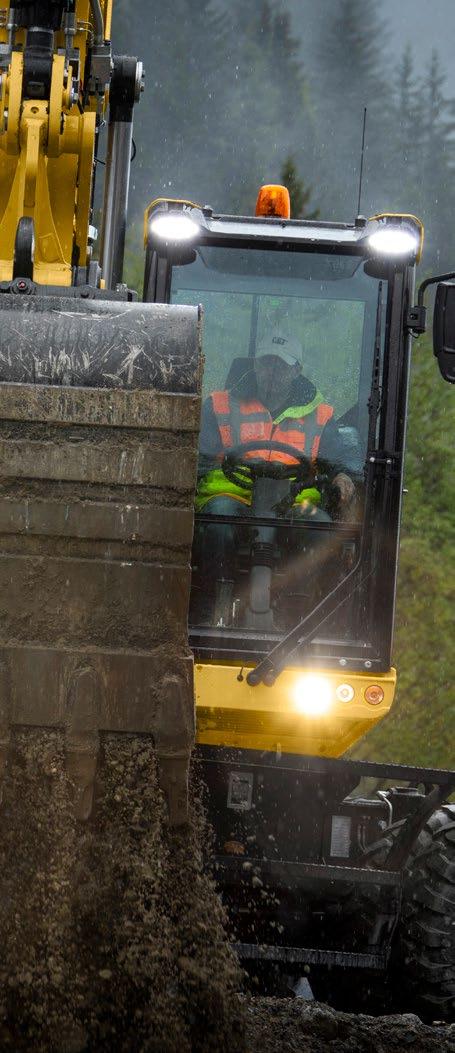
[(424, 963)]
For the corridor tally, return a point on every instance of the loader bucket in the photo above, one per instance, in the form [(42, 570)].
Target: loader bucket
[(99, 420)]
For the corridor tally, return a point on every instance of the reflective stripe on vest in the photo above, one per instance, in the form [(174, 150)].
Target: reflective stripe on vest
[(245, 421), (222, 411)]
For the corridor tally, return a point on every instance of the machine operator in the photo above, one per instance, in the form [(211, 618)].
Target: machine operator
[(269, 398), (273, 400)]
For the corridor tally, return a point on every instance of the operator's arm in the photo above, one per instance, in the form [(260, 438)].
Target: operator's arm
[(342, 459)]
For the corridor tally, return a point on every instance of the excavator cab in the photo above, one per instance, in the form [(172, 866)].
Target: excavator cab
[(300, 469), (307, 336)]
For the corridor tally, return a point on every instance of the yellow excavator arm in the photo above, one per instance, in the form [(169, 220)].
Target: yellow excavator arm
[(54, 85), (72, 333)]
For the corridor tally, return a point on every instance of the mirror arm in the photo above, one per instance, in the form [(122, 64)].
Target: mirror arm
[(416, 317), (432, 281)]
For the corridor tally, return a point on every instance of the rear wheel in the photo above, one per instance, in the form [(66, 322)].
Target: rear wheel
[(425, 952)]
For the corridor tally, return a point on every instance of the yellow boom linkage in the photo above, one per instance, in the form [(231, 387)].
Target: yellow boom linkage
[(47, 144)]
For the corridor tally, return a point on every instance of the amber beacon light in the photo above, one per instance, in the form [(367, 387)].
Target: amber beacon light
[(273, 201)]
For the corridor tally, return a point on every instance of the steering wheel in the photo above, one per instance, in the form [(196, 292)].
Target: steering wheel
[(242, 471)]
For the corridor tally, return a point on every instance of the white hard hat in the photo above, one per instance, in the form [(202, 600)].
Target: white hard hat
[(282, 346)]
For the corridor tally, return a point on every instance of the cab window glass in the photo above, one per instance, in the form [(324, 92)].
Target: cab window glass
[(327, 302), (280, 495)]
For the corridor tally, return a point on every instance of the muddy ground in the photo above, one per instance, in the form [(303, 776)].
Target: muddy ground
[(295, 1026), (112, 937)]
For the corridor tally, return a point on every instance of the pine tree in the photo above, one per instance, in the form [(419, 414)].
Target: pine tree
[(350, 78), (404, 184), (436, 164), (224, 100), (408, 107), (180, 116), (299, 194), (438, 124), (267, 112)]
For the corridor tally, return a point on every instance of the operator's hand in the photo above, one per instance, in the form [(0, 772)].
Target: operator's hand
[(345, 487)]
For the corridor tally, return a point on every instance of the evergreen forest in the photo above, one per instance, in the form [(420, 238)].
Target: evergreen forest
[(233, 99)]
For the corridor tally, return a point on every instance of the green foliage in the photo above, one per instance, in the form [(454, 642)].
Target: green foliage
[(421, 726), (299, 194)]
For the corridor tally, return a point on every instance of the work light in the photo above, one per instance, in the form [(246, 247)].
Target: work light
[(313, 695), (398, 235), (394, 241), (173, 226)]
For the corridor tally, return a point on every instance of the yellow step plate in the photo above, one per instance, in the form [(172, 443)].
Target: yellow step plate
[(308, 711)]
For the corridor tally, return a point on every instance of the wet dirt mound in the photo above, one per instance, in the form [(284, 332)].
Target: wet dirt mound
[(111, 935), (286, 1026)]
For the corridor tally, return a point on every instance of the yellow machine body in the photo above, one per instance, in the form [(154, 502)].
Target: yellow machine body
[(47, 158), (307, 711)]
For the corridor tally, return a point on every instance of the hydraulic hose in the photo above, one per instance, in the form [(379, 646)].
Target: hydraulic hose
[(98, 21)]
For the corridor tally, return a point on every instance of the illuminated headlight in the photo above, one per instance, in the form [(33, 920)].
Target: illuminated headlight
[(394, 241), (174, 226), (313, 695)]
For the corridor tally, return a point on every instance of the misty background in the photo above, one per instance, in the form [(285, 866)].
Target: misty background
[(236, 88), (240, 92)]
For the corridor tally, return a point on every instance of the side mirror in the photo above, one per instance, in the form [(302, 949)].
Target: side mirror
[(444, 330)]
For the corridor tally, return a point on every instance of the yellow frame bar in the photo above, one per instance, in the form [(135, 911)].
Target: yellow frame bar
[(231, 713)]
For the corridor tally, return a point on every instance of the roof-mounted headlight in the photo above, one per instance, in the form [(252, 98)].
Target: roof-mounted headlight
[(393, 242), (174, 227), (396, 236), (173, 222)]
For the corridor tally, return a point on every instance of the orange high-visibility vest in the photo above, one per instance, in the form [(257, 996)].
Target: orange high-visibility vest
[(245, 420)]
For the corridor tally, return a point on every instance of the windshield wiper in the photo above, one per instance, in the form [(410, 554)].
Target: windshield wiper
[(302, 634)]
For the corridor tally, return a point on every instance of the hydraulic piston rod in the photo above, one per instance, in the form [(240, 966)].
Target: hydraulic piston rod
[(126, 86)]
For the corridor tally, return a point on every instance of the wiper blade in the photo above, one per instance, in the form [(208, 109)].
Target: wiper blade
[(301, 635)]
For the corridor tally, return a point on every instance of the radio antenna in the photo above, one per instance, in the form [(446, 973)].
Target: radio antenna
[(362, 155)]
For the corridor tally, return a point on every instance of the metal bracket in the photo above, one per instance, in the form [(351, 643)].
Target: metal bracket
[(415, 321), (100, 69), (385, 462)]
